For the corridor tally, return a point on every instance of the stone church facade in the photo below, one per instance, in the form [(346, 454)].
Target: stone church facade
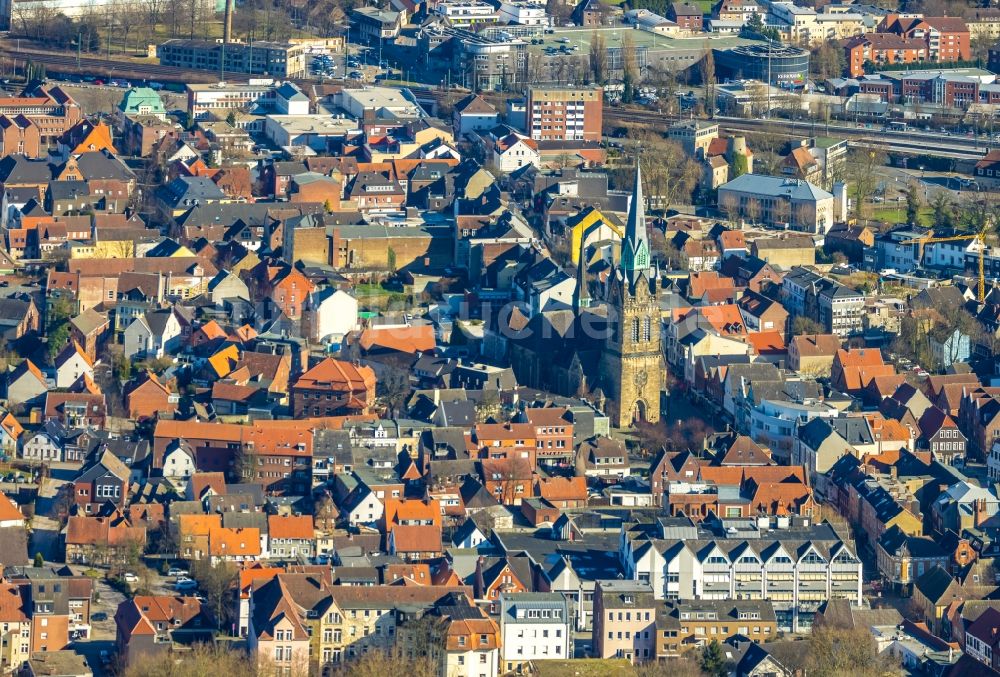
[(611, 350), (632, 366)]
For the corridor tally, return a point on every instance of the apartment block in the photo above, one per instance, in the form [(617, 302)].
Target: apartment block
[(624, 620), (565, 114), (680, 625), (788, 560), (282, 60), (533, 627)]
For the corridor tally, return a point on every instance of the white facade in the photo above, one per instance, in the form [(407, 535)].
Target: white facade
[(204, 98), (949, 254), (72, 368), (523, 12), (466, 123), (749, 564), (140, 340), (366, 510), (993, 462), (515, 156), (312, 131), (334, 316), (774, 423), (178, 464), (42, 447), (465, 13), (534, 627), (472, 663), (552, 296)]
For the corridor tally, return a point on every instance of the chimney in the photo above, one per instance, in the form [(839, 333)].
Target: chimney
[(227, 29), (980, 509)]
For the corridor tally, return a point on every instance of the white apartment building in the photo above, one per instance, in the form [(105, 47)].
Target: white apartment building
[(258, 93), (794, 564), (523, 12), (993, 462), (534, 626), (466, 13), (775, 423)]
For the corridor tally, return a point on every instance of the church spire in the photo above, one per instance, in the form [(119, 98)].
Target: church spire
[(581, 295), (635, 245)]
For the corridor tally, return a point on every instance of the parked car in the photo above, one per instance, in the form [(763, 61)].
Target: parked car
[(177, 572), (99, 616), (129, 577), (184, 583)]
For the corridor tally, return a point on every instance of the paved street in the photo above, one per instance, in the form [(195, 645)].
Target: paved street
[(45, 529)]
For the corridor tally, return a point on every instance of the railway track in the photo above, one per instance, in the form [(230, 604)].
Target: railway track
[(69, 63), (955, 147)]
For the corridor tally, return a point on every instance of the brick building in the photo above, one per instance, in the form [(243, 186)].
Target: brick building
[(565, 113), (332, 388)]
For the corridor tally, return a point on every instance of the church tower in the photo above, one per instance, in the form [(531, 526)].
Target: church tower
[(632, 368)]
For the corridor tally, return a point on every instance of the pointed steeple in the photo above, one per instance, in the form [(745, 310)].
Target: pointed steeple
[(581, 295), (635, 244)]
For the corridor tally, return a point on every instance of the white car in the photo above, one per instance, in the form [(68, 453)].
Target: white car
[(177, 572), (130, 578)]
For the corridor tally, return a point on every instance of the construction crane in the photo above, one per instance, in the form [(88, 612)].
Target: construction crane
[(979, 237)]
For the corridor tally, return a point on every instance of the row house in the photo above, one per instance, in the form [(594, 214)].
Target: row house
[(882, 49), (792, 563), (979, 420), (681, 625)]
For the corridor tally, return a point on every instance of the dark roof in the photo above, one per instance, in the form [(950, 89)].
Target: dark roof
[(934, 584), (896, 541)]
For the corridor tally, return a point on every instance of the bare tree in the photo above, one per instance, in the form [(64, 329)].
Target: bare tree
[(708, 80), (864, 171), (598, 58), (834, 651), (630, 68)]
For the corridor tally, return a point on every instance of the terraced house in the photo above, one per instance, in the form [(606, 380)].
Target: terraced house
[(787, 560)]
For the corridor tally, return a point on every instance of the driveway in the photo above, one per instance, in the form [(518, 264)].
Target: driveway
[(45, 529)]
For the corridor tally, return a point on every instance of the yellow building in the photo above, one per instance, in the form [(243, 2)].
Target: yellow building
[(591, 226)]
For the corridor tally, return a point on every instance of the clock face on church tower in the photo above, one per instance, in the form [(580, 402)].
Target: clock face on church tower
[(640, 378)]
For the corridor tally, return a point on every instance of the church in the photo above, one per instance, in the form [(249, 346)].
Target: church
[(607, 347)]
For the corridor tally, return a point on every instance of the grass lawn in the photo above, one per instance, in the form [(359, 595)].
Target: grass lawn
[(585, 667), (141, 35), (376, 297), (706, 6), (894, 214)]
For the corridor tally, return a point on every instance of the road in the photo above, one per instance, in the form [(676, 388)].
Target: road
[(45, 529)]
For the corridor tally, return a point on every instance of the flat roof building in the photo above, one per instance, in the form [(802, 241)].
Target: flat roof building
[(283, 60)]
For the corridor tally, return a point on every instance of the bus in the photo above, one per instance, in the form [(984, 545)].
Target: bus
[(897, 127)]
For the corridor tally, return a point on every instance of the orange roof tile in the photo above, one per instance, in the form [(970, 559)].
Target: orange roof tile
[(225, 542), (417, 538), (256, 573), (563, 488), (223, 361), (408, 339), (198, 525), (290, 527), (406, 510), (767, 342), (212, 330), (9, 512), (338, 375)]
